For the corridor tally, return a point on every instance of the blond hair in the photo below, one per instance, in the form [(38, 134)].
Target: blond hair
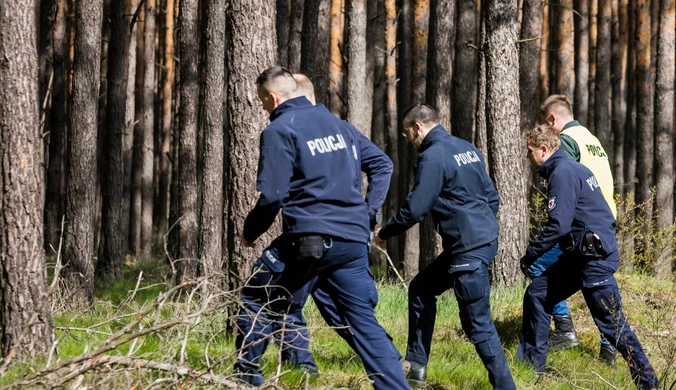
[(304, 87), (543, 135)]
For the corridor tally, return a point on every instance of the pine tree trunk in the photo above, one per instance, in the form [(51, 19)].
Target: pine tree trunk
[(465, 72), (314, 62), (167, 120), (529, 63), (376, 13), (630, 138), (188, 89), (56, 171), (564, 55), (130, 118), (392, 137), (252, 19), (82, 127), (336, 58), (505, 143), (593, 34), (603, 90), (358, 107), (148, 109), (664, 115), (111, 260), (618, 112), (137, 158), (295, 35), (282, 17), (211, 217), (481, 136), (581, 93), (100, 134), (544, 55), (25, 319)]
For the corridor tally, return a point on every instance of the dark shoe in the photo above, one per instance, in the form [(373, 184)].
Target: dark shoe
[(416, 373), (607, 355), (564, 335)]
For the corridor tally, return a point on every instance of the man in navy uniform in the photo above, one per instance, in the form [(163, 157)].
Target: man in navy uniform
[(450, 182), (582, 224), (310, 167)]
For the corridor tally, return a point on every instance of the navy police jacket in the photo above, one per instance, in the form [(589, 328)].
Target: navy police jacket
[(452, 183), (310, 167), (575, 205)]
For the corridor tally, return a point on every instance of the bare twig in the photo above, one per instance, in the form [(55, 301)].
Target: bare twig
[(392, 265), (604, 380)]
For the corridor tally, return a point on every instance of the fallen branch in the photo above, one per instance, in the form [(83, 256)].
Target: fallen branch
[(392, 265)]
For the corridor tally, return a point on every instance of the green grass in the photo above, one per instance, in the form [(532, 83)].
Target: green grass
[(649, 304)]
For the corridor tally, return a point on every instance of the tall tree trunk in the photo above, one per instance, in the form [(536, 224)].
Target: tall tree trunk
[(314, 61), (529, 63), (111, 260), (602, 91), (544, 55), (167, 119), (644, 113), (188, 89), (392, 138), (295, 34), (376, 13), (439, 76), (481, 136), (137, 159), (358, 107), (618, 112), (664, 115), (56, 171), (465, 72), (564, 57), (25, 319), (282, 17), (252, 19), (505, 145), (130, 119), (148, 109), (336, 56), (211, 217), (82, 128), (581, 94), (593, 30)]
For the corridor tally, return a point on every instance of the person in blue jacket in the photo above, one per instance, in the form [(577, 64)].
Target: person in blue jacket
[(310, 167), (450, 182), (582, 224)]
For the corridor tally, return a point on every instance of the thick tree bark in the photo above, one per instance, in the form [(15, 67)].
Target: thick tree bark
[(358, 107), (581, 93), (282, 17), (211, 217), (56, 171), (336, 58), (505, 144), (664, 127), (25, 319), (529, 63), (130, 119), (188, 89), (465, 72), (167, 120), (564, 55), (593, 30), (148, 110), (603, 90), (392, 138), (316, 40), (481, 136), (111, 260), (250, 19), (618, 112), (82, 127), (295, 34)]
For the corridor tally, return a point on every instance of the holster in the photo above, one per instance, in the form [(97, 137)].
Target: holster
[(590, 245)]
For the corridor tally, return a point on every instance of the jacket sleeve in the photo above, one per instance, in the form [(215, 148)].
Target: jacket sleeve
[(428, 183), (564, 189), (378, 168), (275, 168)]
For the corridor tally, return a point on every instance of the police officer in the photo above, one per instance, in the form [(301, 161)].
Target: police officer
[(310, 167), (581, 222), (451, 183), (582, 146)]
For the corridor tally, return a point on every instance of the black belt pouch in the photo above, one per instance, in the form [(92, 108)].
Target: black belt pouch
[(309, 247)]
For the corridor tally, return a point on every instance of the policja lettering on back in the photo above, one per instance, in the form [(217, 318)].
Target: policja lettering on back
[(326, 144)]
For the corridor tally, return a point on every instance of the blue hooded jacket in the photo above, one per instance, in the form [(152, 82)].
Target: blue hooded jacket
[(310, 167), (452, 183)]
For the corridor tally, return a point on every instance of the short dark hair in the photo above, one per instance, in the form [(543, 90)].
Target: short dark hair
[(277, 79), (556, 103), (421, 112)]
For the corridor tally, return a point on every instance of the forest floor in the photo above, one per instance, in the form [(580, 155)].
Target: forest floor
[(188, 344)]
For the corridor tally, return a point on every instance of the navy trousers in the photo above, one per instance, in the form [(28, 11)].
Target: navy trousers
[(342, 276), (599, 288), (467, 275)]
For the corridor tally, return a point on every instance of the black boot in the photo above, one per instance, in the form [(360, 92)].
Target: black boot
[(607, 354), (564, 335), (416, 373)]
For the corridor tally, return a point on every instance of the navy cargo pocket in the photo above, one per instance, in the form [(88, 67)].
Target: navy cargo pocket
[(271, 259), (373, 291), (470, 282)]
